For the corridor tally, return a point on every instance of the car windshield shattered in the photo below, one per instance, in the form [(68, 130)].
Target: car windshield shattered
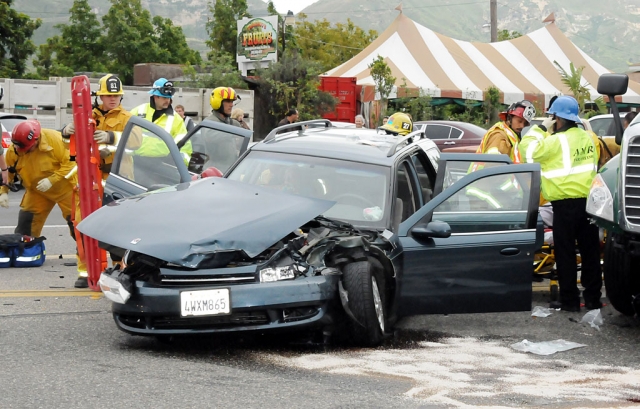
[(359, 189)]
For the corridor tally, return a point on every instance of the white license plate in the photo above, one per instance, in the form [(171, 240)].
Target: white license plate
[(205, 302)]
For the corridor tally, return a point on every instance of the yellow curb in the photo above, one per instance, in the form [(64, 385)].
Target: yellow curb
[(71, 292)]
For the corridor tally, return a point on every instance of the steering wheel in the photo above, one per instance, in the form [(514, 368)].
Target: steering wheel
[(352, 197)]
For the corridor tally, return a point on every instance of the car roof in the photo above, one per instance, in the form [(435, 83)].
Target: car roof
[(350, 144), (622, 114)]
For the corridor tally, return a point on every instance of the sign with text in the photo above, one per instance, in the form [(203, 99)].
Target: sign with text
[(257, 42)]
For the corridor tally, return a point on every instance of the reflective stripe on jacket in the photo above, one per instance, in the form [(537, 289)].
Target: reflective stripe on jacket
[(153, 147), (568, 161)]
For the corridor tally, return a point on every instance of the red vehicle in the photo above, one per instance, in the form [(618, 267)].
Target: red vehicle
[(462, 136), (7, 123)]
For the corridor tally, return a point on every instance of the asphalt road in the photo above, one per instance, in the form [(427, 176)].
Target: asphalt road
[(60, 348)]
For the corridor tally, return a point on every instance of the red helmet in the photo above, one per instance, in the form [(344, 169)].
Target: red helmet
[(211, 172), (25, 135), (524, 109)]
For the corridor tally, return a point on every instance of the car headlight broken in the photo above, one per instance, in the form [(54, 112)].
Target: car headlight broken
[(114, 287), (272, 274), (600, 200)]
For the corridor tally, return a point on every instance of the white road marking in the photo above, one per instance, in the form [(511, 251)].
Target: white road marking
[(458, 371)]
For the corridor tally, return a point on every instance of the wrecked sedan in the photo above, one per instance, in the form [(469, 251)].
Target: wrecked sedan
[(339, 231)]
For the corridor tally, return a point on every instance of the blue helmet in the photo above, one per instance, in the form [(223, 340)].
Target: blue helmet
[(566, 108), (162, 87)]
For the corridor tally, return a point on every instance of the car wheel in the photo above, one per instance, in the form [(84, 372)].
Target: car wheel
[(618, 281), (366, 292)]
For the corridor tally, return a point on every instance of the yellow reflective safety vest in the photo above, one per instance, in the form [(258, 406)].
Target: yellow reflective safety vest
[(568, 161), (173, 124)]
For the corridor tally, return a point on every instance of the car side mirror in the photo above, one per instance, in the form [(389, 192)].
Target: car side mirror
[(435, 229), (612, 85)]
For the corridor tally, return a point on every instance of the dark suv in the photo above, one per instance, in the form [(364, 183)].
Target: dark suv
[(323, 229)]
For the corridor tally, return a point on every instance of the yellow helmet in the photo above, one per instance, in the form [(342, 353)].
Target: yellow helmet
[(110, 85), (220, 94), (399, 124)]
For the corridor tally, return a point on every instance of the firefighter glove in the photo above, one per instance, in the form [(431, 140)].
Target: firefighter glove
[(103, 137), (44, 185), (69, 130), (4, 200), (548, 124), (104, 152)]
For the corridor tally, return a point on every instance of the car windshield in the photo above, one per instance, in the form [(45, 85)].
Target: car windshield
[(358, 189)]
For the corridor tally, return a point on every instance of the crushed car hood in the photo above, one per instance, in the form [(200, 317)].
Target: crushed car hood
[(182, 224)]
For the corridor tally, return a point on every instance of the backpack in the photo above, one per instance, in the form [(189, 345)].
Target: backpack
[(17, 250)]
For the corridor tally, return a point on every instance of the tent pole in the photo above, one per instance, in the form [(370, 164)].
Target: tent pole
[(494, 20)]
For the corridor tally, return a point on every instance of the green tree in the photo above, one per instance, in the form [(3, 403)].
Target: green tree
[(16, 30), (222, 28), (580, 91), (77, 48), (330, 45), (384, 81), (293, 82), (173, 44), (491, 105), (129, 37), (219, 70), (507, 35)]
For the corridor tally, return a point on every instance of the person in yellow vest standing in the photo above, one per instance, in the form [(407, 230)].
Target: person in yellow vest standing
[(568, 160), (159, 111), (504, 136)]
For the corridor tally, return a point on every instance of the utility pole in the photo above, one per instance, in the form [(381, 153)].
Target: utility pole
[(494, 20)]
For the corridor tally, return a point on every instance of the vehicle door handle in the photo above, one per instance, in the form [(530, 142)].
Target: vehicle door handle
[(510, 251), (117, 196), (449, 143)]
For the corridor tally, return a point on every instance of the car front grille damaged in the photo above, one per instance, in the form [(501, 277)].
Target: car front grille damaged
[(226, 279)]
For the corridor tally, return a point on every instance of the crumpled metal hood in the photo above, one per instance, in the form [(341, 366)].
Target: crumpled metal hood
[(184, 223)]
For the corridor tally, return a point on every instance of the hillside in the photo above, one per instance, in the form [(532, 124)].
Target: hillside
[(608, 35), (192, 15)]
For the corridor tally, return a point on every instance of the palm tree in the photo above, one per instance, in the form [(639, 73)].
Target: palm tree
[(573, 81)]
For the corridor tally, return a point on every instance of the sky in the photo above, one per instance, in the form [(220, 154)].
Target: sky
[(294, 5)]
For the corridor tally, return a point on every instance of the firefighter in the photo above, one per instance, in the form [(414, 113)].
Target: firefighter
[(110, 118), (504, 136), (398, 124), (41, 158), (568, 159), (159, 111), (3, 165), (221, 101)]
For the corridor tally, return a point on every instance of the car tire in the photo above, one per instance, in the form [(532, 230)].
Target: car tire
[(618, 281), (366, 292)]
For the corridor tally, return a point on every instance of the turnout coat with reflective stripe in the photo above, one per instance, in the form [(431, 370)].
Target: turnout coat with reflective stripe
[(568, 161), (500, 139)]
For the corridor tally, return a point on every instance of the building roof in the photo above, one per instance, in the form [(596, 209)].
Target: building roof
[(443, 67)]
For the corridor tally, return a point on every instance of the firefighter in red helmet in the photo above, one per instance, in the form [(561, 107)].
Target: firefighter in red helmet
[(41, 158), (504, 136)]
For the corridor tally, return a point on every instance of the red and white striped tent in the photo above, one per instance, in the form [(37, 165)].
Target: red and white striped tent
[(443, 67)]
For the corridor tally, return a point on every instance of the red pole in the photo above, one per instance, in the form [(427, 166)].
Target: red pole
[(90, 188)]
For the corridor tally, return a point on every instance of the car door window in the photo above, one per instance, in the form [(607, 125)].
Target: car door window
[(214, 148), (492, 203), (405, 199), (600, 126), (455, 133), (152, 167), (426, 175), (437, 131), (456, 170)]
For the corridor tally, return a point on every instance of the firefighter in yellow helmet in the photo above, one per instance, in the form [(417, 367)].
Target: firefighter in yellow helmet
[(398, 124), (41, 159), (221, 101)]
